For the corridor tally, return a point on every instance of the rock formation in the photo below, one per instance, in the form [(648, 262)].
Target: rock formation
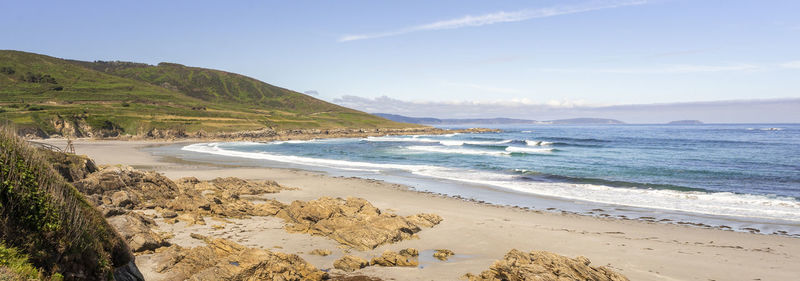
[(544, 266), (221, 259), (137, 231), (442, 254), (353, 222), (390, 258), (350, 263), (321, 252), (116, 191)]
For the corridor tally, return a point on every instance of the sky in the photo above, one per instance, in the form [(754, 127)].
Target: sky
[(523, 59)]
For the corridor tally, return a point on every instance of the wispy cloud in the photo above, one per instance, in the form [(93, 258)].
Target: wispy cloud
[(763, 111), (791, 64), (498, 17), (668, 69)]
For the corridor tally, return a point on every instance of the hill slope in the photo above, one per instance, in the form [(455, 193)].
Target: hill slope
[(47, 220), (56, 96)]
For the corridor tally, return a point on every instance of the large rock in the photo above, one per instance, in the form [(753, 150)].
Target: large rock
[(442, 254), (221, 259), (350, 263), (389, 258), (137, 231), (128, 272), (132, 189), (544, 266), (353, 222)]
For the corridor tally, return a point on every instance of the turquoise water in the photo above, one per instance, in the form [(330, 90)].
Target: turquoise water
[(746, 176)]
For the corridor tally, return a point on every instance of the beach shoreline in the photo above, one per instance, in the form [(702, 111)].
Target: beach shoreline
[(481, 233)]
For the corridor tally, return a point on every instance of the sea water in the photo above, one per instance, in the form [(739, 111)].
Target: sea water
[(742, 177)]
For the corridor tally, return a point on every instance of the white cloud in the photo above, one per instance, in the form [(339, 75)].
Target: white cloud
[(763, 111), (459, 108), (791, 64), (493, 18)]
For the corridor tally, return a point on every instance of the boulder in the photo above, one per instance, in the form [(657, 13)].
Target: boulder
[(442, 254), (545, 266), (137, 231), (350, 263), (133, 189), (411, 252), (352, 222), (221, 259), (390, 258), (321, 252), (121, 199)]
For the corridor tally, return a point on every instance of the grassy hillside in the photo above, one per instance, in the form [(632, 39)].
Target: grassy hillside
[(58, 96), (47, 224)]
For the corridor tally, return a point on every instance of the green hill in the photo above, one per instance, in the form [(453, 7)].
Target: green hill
[(57, 96)]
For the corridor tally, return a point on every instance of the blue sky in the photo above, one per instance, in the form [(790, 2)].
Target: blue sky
[(550, 53)]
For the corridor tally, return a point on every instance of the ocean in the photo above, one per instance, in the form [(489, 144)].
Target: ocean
[(743, 177)]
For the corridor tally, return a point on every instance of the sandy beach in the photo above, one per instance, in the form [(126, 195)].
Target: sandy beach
[(478, 233)]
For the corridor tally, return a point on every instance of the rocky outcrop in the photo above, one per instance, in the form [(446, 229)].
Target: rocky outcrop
[(116, 191), (321, 252), (350, 263), (221, 259), (545, 266), (137, 231), (127, 188), (411, 252), (390, 258), (353, 222), (128, 272), (72, 167), (442, 254)]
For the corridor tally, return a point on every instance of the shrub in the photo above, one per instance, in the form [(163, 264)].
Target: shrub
[(38, 78), (47, 219), (7, 70)]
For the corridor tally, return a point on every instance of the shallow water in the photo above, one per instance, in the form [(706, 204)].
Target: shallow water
[(742, 176)]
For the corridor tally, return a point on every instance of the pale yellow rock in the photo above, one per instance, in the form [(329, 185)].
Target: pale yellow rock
[(390, 258), (350, 263), (442, 254), (544, 266)]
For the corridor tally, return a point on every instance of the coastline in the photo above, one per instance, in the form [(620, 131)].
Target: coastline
[(481, 233)]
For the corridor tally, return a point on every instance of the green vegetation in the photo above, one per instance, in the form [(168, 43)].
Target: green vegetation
[(15, 265), (46, 219), (55, 96)]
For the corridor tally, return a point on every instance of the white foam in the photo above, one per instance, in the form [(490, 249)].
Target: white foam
[(452, 143), (457, 143), (537, 143), (528, 150), (215, 148), (331, 140), (447, 150), (719, 203)]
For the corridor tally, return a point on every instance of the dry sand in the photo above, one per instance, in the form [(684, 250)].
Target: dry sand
[(477, 233)]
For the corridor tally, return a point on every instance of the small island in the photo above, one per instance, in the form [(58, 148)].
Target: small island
[(686, 122)]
